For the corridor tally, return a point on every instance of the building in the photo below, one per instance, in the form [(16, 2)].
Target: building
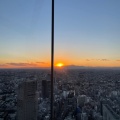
[(109, 114), (81, 99), (46, 88), (84, 116), (27, 101)]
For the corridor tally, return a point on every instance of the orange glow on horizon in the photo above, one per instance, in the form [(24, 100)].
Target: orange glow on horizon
[(18, 63)]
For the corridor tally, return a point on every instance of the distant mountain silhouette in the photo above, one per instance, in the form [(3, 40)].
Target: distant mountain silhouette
[(86, 67), (74, 67)]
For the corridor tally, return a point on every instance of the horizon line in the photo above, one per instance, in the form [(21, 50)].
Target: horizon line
[(66, 67)]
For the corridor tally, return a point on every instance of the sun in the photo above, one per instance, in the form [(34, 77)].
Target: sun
[(59, 64)]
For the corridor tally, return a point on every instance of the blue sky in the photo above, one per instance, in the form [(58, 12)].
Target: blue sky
[(84, 29)]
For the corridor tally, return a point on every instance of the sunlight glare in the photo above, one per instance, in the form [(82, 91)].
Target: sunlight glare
[(59, 64)]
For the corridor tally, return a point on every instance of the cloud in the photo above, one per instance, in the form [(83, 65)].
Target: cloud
[(104, 60), (118, 60), (41, 62), (2, 65), (97, 59), (21, 64), (87, 60)]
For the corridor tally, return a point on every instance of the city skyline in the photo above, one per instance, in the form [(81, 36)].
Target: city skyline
[(87, 33)]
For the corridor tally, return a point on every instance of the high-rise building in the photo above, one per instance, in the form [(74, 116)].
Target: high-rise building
[(81, 99), (27, 101), (48, 77), (46, 88)]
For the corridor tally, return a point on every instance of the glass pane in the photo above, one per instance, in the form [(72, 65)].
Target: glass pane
[(87, 60), (87, 44)]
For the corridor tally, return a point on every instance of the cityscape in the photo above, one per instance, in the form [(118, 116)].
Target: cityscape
[(79, 94)]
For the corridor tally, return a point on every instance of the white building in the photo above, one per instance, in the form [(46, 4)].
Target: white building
[(27, 101), (109, 114)]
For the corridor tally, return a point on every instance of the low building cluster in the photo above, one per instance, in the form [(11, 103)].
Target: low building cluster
[(81, 94)]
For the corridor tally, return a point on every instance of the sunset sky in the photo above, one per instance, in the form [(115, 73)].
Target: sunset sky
[(87, 33)]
